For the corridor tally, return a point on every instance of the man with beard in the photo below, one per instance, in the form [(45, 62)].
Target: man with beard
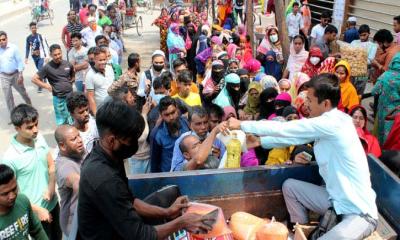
[(107, 208), (212, 150), (184, 83), (29, 157), (163, 137), (68, 163), (61, 76), (230, 94), (18, 221), (213, 83), (78, 107)]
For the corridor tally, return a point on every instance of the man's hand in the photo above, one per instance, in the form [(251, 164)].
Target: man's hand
[(233, 124), (176, 208), (252, 141), (20, 79), (216, 152), (242, 115), (301, 159), (44, 215), (48, 87), (148, 86), (196, 223), (48, 195)]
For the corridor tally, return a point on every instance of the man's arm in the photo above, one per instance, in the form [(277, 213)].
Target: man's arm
[(48, 196), (142, 85), (63, 37), (82, 66), (92, 102), (155, 150), (72, 181), (35, 226), (38, 82), (151, 211), (27, 49), (204, 151)]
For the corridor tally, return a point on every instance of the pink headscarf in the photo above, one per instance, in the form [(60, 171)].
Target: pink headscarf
[(253, 65), (296, 60), (284, 97), (298, 80), (228, 112), (231, 49)]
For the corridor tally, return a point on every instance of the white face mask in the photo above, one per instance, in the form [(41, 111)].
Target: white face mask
[(273, 38), (314, 60)]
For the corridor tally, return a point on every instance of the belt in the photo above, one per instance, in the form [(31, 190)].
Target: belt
[(9, 74)]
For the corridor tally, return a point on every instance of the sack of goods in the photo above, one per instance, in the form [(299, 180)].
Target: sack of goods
[(357, 58)]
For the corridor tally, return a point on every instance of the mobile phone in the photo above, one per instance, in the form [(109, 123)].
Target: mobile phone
[(307, 156)]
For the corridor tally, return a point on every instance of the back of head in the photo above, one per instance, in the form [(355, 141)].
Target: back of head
[(383, 36), (214, 109), (157, 83), (179, 62), (23, 113), (6, 174), (133, 58), (117, 118), (326, 87)]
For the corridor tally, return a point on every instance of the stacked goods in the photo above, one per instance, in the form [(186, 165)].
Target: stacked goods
[(244, 226), (357, 58)]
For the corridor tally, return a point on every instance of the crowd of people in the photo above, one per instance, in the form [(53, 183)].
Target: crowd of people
[(204, 81)]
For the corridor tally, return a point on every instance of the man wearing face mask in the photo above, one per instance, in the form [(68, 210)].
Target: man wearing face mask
[(107, 208), (90, 33), (213, 83), (146, 78)]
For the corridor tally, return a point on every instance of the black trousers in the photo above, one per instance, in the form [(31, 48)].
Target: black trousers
[(53, 229)]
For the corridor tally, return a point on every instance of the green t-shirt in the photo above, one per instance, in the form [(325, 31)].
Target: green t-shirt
[(21, 222), (31, 170), (104, 21)]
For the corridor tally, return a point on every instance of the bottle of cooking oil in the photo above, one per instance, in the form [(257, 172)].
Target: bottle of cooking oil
[(234, 149)]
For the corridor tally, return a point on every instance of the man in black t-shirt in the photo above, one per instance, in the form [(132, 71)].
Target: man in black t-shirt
[(61, 76)]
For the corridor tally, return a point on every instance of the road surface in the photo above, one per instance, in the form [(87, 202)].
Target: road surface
[(17, 30)]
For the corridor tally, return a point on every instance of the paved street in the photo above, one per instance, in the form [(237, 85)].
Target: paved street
[(17, 30)]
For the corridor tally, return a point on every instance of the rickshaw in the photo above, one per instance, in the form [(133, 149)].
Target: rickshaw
[(41, 10), (147, 5), (132, 19)]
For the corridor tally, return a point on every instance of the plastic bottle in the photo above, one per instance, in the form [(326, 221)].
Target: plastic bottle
[(234, 149)]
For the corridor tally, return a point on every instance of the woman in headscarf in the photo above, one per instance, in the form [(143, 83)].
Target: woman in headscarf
[(230, 94), (268, 81), (244, 53), (393, 139), (233, 45), (202, 58), (253, 66), (213, 83), (348, 93), (162, 22), (193, 34), (229, 112), (369, 141), (229, 24), (313, 63), (298, 56), (267, 103), (387, 88), (271, 42), (299, 79), (233, 66), (252, 109), (281, 101), (271, 65), (175, 44)]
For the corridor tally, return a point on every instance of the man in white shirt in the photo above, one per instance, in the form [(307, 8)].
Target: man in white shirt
[(98, 79), (318, 31), (147, 77), (90, 32), (77, 56), (294, 22), (340, 156)]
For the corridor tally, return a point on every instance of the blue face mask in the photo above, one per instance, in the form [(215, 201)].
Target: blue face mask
[(157, 98)]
